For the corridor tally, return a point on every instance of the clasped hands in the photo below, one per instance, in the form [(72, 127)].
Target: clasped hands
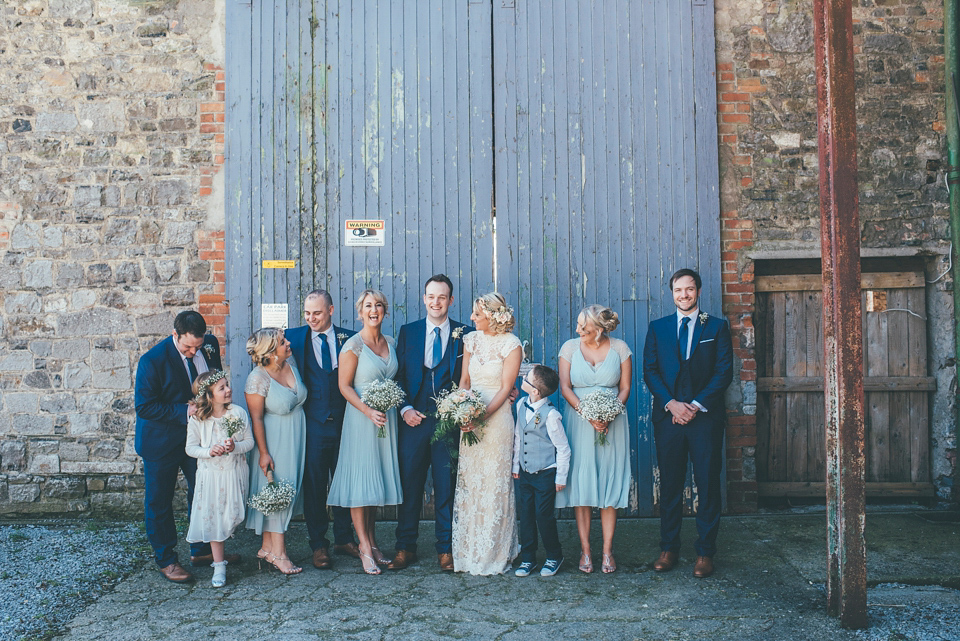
[(222, 448), (682, 412)]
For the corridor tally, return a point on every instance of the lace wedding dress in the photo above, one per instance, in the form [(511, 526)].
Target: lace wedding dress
[(484, 512)]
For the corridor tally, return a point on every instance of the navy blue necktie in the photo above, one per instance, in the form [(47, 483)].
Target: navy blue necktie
[(437, 347), (684, 335), (325, 361), (193, 370)]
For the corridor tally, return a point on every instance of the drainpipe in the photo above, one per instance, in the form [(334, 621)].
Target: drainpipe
[(951, 36)]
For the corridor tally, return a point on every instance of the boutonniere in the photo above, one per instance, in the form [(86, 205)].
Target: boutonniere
[(342, 338), (703, 318), (209, 349), (536, 420), (457, 334)]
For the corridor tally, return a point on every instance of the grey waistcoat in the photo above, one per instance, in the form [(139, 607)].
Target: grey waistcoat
[(537, 451)]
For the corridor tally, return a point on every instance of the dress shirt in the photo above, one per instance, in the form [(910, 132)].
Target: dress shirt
[(198, 361), (428, 343), (690, 326), (331, 344), (554, 431)]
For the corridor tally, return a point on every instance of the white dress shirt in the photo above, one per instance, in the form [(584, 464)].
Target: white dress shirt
[(692, 315), (554, 431), (331, 343)]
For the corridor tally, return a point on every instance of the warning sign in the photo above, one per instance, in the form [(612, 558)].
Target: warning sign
[(364, 233)]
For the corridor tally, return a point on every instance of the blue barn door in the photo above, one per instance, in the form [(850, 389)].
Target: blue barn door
[(606, 172), (561, 151)]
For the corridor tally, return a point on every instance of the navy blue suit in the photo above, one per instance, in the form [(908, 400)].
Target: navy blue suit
[(415, 453), (702, 378), (161, 394), (324, 409)]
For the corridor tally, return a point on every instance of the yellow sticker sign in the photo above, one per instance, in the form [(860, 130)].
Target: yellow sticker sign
[(279, 264)]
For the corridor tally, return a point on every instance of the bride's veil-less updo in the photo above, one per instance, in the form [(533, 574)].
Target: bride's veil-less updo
[(495, 307), (603, 317), (262, 343)]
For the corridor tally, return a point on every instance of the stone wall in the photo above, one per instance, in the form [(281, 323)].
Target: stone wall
[(112, 137), (769, 176)]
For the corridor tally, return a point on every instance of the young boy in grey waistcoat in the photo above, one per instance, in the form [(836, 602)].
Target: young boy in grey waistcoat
[(541, 461)]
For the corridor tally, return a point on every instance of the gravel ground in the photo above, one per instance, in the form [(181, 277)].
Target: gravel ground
[(50, 572), (898, 612)]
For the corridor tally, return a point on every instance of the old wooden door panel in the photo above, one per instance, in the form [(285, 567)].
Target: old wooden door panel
[(790, 445), (606, 171)]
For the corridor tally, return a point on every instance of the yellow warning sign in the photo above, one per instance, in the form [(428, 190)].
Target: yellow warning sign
[(279, 264)]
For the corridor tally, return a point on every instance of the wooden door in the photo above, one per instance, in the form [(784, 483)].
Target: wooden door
[(790, 407)]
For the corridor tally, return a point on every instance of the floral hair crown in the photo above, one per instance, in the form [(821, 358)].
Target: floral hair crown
[(500, 315), (205, 385)]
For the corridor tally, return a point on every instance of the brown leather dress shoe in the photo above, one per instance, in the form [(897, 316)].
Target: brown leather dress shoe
[(446, 562), (321, 559), (665, 562), (402, 560), (204, 560), (703, 567), (350, 549), (175, 572)]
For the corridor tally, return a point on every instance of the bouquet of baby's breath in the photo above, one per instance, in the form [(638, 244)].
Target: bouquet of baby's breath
[(457, 407), (274, 497), (382, 395), (232, 425), (604, 406)]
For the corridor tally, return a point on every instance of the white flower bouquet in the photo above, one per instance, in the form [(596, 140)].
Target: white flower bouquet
[(274, 497), (381, 396), (232, 425), (457, 407), (603, 406)]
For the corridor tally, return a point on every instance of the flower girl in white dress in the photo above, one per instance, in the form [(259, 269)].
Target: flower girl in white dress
[(218, 436)]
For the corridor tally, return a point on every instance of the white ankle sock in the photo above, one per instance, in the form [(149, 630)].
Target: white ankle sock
[(219, 574)]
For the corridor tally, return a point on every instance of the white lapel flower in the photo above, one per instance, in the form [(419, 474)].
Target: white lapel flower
[(342, 338), (457, 334), (703, 318), (209, 350)]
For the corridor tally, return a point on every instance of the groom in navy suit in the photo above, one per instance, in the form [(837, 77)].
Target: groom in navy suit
[(163, 398), (430, 355), (687, 365), (316, 348)]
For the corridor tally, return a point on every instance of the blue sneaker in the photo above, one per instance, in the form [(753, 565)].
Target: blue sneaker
[(550, 566), (525, 569)]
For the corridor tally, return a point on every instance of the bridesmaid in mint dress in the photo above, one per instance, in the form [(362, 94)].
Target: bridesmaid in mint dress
[(599, 474), (275, 395), (367, 474)]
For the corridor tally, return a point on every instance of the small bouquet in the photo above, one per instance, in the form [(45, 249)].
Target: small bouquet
[(231, 426), (604, 406), (274, 497), (382, 395), (457, 407)]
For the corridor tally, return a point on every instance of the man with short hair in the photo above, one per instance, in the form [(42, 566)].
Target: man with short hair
[(430, 356), (687, 365), (163, 398), (316, 348)]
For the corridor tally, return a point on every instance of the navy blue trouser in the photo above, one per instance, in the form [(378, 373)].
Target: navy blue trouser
[(702, 441), (415, 456), (321, 462), (536, 497), (160, 482)]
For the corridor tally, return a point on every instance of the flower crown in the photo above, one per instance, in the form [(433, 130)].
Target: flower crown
[(205, 385), (501, 315)]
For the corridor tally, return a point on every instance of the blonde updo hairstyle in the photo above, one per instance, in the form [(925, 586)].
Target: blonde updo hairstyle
[(603, 317), (378, 296), (263, 343), (494, 306)]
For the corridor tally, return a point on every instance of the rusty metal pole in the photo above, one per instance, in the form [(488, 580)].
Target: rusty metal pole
[(842, 332)]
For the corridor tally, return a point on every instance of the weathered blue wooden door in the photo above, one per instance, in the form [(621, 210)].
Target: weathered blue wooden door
[(562, 151), (606, 171)]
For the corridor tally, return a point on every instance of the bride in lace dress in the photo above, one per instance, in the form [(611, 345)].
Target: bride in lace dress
[(484, 512)]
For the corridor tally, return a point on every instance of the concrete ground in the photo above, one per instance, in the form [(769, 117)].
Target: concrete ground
[(768, 585)]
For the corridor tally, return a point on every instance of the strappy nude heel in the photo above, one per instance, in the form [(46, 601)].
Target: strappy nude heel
[(586, 565), (609, 565), (274, 560), (374, 570)]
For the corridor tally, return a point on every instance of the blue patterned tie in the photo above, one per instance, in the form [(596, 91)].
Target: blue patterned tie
[(325, 361), (684, 334), (437, 347)]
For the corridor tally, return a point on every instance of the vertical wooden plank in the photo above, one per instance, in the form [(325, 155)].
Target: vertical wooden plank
[(919, 416), (612, 233), (796, 361), (762, 326), (816, 411), (307, 170), (575, 170), (278, 150), (397, 116), (778, 402), (336, 284), (507, 162), (898, 365), (878, 403), (559, 168)]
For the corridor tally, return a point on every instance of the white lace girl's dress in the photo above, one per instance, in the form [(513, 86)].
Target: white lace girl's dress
[(484, 512), (221, 486)]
